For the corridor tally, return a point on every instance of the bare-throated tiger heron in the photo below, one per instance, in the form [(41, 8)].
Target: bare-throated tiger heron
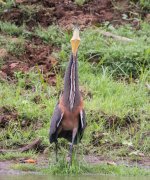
[(68, 120)]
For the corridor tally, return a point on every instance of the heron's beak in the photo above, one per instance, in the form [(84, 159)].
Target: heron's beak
[(75, 41)]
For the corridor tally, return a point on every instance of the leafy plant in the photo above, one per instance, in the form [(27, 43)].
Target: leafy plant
[(52, 35), (10, 28)]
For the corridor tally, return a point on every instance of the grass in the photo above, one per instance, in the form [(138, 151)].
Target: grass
[(6, 5), (81, 168), (113, 98), (121, 170), (52, 35), (112, 77), (15, 155), (26, 108), (121, 59), (30, 10), (14, 46), (80, 2), (128, 60), (145, 4), (11, 29), (105, 90), (24, 167), (120, 99)]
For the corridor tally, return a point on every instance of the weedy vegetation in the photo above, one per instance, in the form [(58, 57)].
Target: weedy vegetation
[(10, 28), (15, 155), (80, 168), (80, 2), (113, 81), (25, 167)]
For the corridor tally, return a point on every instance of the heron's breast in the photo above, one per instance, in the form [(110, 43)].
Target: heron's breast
[(71, 118), (70, 121)]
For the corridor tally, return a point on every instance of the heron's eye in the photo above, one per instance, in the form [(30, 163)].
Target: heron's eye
[(76, 26)]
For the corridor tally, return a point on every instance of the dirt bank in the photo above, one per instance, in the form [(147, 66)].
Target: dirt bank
[(6, 167), (65, 13)]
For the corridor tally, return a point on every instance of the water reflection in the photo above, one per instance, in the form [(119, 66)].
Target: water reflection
[(48, 177)]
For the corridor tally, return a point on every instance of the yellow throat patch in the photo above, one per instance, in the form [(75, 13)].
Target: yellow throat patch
[(75, 41)]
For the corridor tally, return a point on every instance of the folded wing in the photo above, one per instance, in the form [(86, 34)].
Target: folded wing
[(55, 122)]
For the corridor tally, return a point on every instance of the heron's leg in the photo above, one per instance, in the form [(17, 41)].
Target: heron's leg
[(56, 143), (74, 133), (56, 151)]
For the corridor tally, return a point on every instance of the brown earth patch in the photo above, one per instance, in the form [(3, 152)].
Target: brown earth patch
[(6, 115), (9, 114), (3, 53), (61, 12), (114, 121), (66, 12), (36, 55)]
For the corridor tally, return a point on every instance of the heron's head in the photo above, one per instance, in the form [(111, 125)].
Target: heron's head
[(75, 41)]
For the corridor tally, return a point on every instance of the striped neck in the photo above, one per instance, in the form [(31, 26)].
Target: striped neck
[(71, 95), (72, 85)]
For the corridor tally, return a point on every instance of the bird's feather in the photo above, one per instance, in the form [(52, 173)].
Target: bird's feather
[(55, 121), (82, 119)]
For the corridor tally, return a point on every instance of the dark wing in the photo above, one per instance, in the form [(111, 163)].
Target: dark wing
[(82, 125), (55, 122)]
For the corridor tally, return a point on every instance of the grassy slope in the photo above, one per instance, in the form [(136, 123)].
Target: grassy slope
[(120, 99), (101, 62)]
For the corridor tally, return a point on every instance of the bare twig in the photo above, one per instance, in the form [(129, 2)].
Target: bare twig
[(33, 145), (116, 37)]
